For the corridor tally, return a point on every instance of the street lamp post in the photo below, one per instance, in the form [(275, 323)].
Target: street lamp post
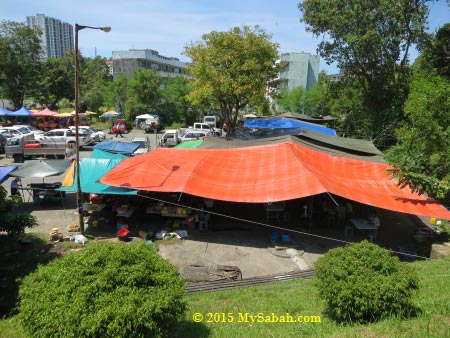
[(77, 150)]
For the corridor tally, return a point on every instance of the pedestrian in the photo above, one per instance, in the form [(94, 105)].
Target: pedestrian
[(119, 129), (15, 184)]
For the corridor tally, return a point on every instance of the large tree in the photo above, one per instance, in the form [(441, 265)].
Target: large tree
[(174, 107), (231, 68), (115, 93), (143, 93), (93, 82), (423, 151), (55, 82), (370, 42), (305, 101), (20, 60)]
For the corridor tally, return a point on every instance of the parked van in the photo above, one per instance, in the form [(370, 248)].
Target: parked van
[(170, 138), (211, 121)]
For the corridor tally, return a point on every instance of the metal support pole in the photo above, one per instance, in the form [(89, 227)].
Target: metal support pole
[(77, 121), (77, 150)]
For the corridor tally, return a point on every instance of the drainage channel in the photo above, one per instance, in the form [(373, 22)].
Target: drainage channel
[(226, 285)]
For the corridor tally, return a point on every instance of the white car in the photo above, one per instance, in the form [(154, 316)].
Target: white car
[(96, 135), (67, 136), (193, 135), (30, 128), (17, 131)]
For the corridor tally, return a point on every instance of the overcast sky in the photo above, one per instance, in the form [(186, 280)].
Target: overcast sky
[(168, 25)]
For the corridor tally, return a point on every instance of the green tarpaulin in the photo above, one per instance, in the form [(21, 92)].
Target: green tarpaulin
[(190, 144)]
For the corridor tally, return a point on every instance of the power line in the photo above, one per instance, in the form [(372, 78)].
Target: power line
[(274, 226)]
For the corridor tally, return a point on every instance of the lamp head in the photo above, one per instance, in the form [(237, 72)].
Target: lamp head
[(106, 29)]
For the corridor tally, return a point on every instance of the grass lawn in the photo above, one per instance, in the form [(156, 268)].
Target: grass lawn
[(227, 313), (300, 298)]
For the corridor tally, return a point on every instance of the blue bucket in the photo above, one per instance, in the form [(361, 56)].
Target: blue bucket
[(274, 236), (286, 238)]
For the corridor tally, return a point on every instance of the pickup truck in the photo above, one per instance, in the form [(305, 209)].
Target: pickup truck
[(200, 126), (67, 136), (151, 125), (26, 146)]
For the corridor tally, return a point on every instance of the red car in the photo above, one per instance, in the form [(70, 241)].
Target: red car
[(123, 122)]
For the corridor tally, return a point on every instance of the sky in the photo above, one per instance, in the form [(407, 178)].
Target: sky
[(167, 26)]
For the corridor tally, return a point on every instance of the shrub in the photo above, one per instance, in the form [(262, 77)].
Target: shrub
[(10, 222), (105, 291), (362, 282)]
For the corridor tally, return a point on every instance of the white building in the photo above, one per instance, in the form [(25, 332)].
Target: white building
[(128, 62), (57, 36)]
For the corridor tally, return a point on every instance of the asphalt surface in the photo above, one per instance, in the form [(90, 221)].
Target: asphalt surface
[(60, 212)]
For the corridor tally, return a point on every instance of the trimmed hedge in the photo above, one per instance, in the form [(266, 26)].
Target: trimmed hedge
[(363, 282), (123, 290)]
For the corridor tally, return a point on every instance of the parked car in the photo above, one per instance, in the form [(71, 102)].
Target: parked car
[(193, 135), (170, 138), (6, 133), (30, 128), (127, 125), (65, 135), (17, 131), (96, 134), (144, 144)]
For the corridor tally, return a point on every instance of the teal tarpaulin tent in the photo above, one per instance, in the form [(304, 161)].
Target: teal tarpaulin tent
[(97, 153), (91, 170)]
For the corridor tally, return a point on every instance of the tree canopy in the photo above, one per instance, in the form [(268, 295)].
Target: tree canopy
[(231, 68), (370, 42), (423, 150), (143, 92), (20, 60)]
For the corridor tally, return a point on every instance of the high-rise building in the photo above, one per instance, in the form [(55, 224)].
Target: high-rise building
[(129, 61), (297, 69), (57, 36)]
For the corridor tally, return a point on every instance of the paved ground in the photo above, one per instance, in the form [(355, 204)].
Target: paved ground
[(230, 241)]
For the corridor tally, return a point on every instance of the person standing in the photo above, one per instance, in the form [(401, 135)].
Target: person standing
[(15, 184), (119, 129)]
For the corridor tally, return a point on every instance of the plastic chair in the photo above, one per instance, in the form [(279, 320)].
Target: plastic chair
[(372, 236), (203, 225), (348, 231)]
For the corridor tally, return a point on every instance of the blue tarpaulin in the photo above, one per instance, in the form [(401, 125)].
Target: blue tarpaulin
[(4, 111), (117, 147), (276, 123), (21, 112), (4, 172)]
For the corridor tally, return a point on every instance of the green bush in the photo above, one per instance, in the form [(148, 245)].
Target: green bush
[(104, 291), (362, 282), (11, 222)]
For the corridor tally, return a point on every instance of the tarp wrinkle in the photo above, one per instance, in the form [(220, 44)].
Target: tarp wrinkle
[(268, 173)]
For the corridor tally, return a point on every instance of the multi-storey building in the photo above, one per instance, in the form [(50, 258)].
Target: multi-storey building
[(128, 62), (297, 69), (57, 36)]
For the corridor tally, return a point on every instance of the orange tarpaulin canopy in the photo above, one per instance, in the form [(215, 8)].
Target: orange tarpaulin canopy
[(268, 173)]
